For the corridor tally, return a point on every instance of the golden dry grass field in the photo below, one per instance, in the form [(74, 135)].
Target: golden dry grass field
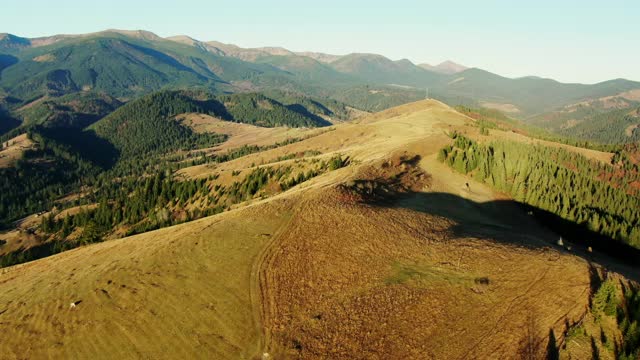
[(438, 270), (13, 149)]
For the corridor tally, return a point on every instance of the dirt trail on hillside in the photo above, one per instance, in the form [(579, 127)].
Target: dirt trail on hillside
[(356, 281)]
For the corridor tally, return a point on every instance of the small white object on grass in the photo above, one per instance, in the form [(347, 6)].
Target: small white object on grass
[(72, 306), (266, 356)]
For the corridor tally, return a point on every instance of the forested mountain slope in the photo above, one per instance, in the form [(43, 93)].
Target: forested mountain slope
[(130, 64), (147, 125)]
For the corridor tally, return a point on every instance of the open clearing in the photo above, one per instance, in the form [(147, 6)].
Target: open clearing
[(507, 108), (443, 271), (13, 149), (243, 134)]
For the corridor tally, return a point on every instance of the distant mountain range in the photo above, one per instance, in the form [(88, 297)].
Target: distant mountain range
[(127, 64)]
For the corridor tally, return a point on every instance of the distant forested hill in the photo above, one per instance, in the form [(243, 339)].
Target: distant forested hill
[(119, 64), (77, 110), (147, 125), (595, 124), (127, 64), (257, 109)]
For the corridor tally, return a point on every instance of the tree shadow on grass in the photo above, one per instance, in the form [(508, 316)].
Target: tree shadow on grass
[(511, 222), (86, 143), (303, 111)]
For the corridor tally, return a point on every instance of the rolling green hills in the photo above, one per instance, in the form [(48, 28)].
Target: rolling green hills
[(10, 43), (129, 64), (147, 126), (378, 69), (47, 172), (609, 127), (117, 66), (257, 109), (120, 64), (608, 120), (530, 95), (314, 105)]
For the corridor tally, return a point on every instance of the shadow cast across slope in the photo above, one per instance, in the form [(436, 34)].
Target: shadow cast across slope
[(514, 223)]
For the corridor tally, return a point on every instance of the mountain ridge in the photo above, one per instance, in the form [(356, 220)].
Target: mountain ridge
[(130, 63), (448, 67)]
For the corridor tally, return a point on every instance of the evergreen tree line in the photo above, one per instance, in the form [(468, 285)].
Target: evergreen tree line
[(320, 106), (140, 204), (201, 158), (257, 109), (628, 319), (624, 159), (41, 176), (617, 302), (75, 111), (282, 176), (145, 204), (146, 126), (57, 168), (494, 119), (607, 127), (552, 179)]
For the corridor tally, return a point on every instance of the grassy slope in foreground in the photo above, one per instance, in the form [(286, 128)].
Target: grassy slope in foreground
[(395, 281), (181, 292)]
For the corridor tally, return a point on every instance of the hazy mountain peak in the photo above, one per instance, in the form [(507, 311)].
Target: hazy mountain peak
[(48, 40), (12, 41), (278, 51), (246, 54), (140, 34), (532, 77), (185, 39), (366, 55), (452, 65), (357, 62), (188, 40), (446, 67), (404, 62), (321, 57), (222, 45)]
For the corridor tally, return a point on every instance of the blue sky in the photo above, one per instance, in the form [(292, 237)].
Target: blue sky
[(571, 41)]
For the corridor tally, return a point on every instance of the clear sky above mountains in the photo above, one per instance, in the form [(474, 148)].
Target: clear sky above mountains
[(571, 41)]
